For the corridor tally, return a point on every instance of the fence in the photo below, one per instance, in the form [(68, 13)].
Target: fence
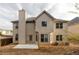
[(5, 40)]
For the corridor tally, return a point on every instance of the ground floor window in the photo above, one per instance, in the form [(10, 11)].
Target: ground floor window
[(59, 37), (30, 37), (36, 38), (44, 37), (16, 37)]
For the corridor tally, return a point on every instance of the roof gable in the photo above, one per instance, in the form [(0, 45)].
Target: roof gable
[(45, 13), (32, 19)]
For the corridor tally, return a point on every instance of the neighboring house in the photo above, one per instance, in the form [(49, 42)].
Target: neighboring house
[(43, 29), (5, 37), (6, 32)]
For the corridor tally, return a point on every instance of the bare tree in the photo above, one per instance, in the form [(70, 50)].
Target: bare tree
[(76, 5)]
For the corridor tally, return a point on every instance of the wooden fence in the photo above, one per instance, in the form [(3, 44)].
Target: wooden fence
[(5, 40)]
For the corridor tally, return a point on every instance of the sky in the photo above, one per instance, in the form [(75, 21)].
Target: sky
[(9, 11)]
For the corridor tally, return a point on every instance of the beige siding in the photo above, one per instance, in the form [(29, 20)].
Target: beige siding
[(50, 29), (60, 32), (15, 31), (22, 27), (41, 29), (44, 30), (30, 30)]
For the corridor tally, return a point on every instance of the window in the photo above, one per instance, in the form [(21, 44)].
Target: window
[(36, 38), (59, 37), (16, 37), (44, 38), (30, 37), (44, 23), (16, 27), (59, 25)]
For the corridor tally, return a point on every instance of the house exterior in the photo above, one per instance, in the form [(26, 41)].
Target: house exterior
[(43, 29)]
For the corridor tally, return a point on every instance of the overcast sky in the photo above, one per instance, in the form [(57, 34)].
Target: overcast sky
[(9, 11)]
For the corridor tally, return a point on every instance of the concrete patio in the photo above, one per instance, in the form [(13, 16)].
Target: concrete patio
[(27, 46)]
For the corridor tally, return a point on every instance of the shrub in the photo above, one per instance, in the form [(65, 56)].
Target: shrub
[(66, 43), (55, 43)]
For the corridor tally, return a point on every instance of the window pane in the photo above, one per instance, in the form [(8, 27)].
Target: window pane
[(57, 37), (60, 37), (36, 38), (16, 37), (42, 37), (61, 25), (46, 38), (57, 25), (30, 37), (44, 23), (16, 27)]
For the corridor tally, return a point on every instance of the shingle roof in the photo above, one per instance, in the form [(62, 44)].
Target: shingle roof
[(28, 20), (60, 20), (32, 19), (46, 13)]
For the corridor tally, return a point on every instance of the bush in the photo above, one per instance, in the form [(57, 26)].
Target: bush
[(66, 43), (55, 44)]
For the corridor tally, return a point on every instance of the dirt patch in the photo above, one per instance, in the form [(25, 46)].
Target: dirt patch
[(55, 50)]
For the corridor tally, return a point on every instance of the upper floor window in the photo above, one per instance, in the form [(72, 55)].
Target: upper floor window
[(59, 25), (16, 27), (44, 23)]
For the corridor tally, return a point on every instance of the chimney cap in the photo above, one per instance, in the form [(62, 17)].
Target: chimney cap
[(22, 9)]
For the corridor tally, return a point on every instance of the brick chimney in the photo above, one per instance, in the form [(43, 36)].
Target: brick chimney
[(22, 27)]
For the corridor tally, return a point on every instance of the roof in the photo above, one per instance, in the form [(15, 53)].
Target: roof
[(28, 20), (32, 19), (46, 13), (60, 20)]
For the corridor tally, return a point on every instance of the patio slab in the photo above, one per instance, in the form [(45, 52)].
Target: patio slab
[(27, 46)]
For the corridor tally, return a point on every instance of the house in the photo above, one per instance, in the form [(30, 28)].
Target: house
[(6, 32), (43, 29), (5, 37)]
